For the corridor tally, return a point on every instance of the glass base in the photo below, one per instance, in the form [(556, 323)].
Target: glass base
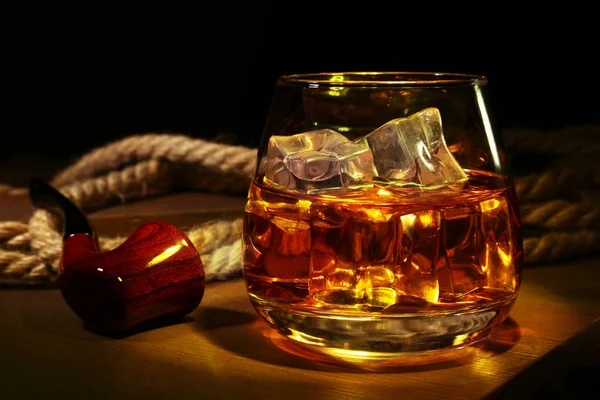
[(382, 337)]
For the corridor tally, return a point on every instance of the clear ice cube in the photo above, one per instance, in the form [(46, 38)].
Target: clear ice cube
[(413, 151), (353, 255), (318, 160)]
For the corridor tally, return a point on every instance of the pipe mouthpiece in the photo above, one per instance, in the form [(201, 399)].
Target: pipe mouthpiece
[(46, 197)]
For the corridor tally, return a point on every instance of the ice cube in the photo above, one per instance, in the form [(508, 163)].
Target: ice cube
[(318, 160), (497, 252), (353, 255), (413, 151), (418, 247), (458, 267)]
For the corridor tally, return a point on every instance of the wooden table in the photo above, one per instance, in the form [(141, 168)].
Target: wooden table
[(548, 348)]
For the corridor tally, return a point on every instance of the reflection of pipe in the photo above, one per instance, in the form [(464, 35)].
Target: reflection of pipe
[(155, 273)]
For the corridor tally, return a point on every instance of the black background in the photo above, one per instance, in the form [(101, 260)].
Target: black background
[(76, 78)]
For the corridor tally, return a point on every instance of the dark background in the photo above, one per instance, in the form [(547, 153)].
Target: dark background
[(76, 78)]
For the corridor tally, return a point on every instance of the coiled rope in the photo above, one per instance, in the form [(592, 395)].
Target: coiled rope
[(558, 205)]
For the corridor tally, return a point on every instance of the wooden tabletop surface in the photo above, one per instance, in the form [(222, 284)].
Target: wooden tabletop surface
[(224, 351)]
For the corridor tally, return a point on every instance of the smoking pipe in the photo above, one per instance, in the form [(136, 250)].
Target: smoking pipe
[(155, 274)]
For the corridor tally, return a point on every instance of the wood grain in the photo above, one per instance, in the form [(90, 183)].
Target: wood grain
[(222, 350)]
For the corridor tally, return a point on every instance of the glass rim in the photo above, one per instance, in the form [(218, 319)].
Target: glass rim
[(386, 78)]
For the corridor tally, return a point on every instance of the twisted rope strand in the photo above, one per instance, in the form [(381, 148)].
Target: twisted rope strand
[(12, 229), (14, 234), (146, 178), (46, 241), (22, 265), (235, 162), (559, 246), (558, 214), (225, 260), (557, 182)]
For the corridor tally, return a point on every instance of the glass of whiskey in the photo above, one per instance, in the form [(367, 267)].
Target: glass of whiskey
[(381, 220)]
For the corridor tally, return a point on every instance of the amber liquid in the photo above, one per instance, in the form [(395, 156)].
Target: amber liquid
[(385, 249)]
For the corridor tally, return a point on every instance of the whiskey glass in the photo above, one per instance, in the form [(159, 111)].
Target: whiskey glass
[(382, 220)]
